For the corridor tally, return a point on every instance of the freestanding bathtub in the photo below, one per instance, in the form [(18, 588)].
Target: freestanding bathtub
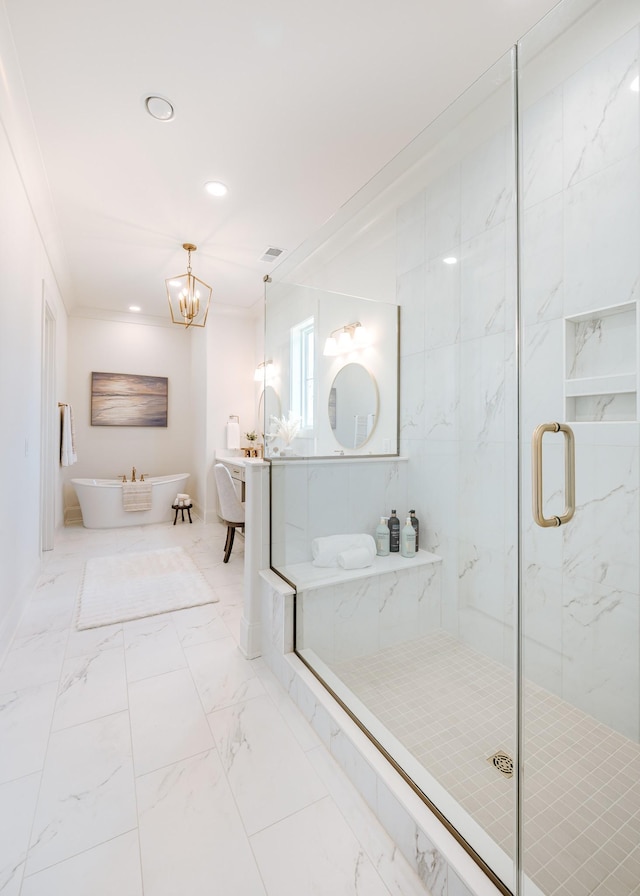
[(101, 501)]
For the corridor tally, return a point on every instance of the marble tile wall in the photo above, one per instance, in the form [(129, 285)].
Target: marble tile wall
[(581, 229), (581, 162), (313, 498), (340, 622), (457, 353)]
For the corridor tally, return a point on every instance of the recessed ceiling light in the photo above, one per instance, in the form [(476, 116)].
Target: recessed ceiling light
[(159, 108), (635, 84), (450, 259), (215, 188), (135, 308)]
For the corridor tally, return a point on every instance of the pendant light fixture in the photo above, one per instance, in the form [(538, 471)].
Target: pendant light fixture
[(188, 296)]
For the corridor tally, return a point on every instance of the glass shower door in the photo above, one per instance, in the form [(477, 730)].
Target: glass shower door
[(580, 583), (423, 653)]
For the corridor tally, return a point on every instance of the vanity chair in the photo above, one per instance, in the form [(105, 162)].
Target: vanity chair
[(231, 508)]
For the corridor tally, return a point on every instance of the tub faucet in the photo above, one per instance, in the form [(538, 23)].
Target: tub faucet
[(133, 474)]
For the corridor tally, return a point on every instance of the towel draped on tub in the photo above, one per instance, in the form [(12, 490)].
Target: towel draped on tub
[(136, 495)]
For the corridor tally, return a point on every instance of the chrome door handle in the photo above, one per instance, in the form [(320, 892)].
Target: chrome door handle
[(569, 474)]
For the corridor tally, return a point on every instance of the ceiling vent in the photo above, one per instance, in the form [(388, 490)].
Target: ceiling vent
[(271, 253)]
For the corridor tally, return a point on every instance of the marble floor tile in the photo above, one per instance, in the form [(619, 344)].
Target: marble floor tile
[(152, 647), (91, 686), (398, 876), (109, 869), (300, 728), (74, 818), (17, 805), (25, 720), (198, 625), (167, 721), (33, 660), (224, 574), (222, 675), (191, 837), (232, 619), (87, 793), (267, 769), (47, 614), (315, 852), (230, 595), (93, 640), (62, 586)]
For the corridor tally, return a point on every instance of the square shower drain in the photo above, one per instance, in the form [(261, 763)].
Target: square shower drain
[(503, 762)]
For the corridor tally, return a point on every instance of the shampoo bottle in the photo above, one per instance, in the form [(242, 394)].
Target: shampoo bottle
[(382, 537), (416, 525), (394, 533), (408, 540)]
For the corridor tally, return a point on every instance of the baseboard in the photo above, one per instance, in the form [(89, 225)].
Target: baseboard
[(72, 515)]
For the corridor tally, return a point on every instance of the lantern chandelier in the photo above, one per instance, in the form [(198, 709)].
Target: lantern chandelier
[(188, 296)]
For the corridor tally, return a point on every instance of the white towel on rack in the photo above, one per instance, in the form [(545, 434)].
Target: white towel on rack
[(233, 435), (68, 454)]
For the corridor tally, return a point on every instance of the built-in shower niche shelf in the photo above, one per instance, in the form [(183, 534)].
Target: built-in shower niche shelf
[(601, 376)]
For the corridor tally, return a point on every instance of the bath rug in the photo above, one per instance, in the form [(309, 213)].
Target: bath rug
[(131, 586)]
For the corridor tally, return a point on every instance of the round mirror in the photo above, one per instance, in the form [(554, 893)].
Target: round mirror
[(268, 406), (353, 406)]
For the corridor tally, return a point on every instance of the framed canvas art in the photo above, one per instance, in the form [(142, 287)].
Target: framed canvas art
[(125, 399)]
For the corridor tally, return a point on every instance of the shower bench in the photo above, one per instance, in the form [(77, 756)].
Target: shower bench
[(344, 613)]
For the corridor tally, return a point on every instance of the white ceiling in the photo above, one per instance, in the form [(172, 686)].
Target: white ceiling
[(294, 105)]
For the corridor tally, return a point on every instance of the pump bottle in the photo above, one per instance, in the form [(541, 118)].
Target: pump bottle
[(382, 537), (394, 533), (408, 540), (416, 525)]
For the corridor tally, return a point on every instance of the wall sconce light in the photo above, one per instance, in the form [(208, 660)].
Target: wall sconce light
[(346, 339), (264, 372), (188, 296)]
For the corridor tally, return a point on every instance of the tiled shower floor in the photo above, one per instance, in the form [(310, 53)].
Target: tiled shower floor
[(453, 708)]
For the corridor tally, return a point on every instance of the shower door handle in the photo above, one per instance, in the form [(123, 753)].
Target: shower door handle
[(569, 474)]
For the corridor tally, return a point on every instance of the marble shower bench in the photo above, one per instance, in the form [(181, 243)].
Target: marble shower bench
[(342, 614)]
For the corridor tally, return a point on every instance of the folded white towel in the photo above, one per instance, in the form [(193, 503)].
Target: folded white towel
[(355, 558), (233, 435), (325, 550)]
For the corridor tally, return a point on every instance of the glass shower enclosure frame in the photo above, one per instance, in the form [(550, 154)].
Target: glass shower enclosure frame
[(500, 669)]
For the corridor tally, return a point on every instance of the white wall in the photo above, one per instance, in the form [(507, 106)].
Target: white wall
[(25, 276), (210, 375), (115, 347), (230, 388)]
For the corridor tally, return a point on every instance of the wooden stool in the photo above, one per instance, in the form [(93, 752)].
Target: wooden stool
[(181, 507)]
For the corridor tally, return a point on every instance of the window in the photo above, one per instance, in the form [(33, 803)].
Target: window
[(302, 367)]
